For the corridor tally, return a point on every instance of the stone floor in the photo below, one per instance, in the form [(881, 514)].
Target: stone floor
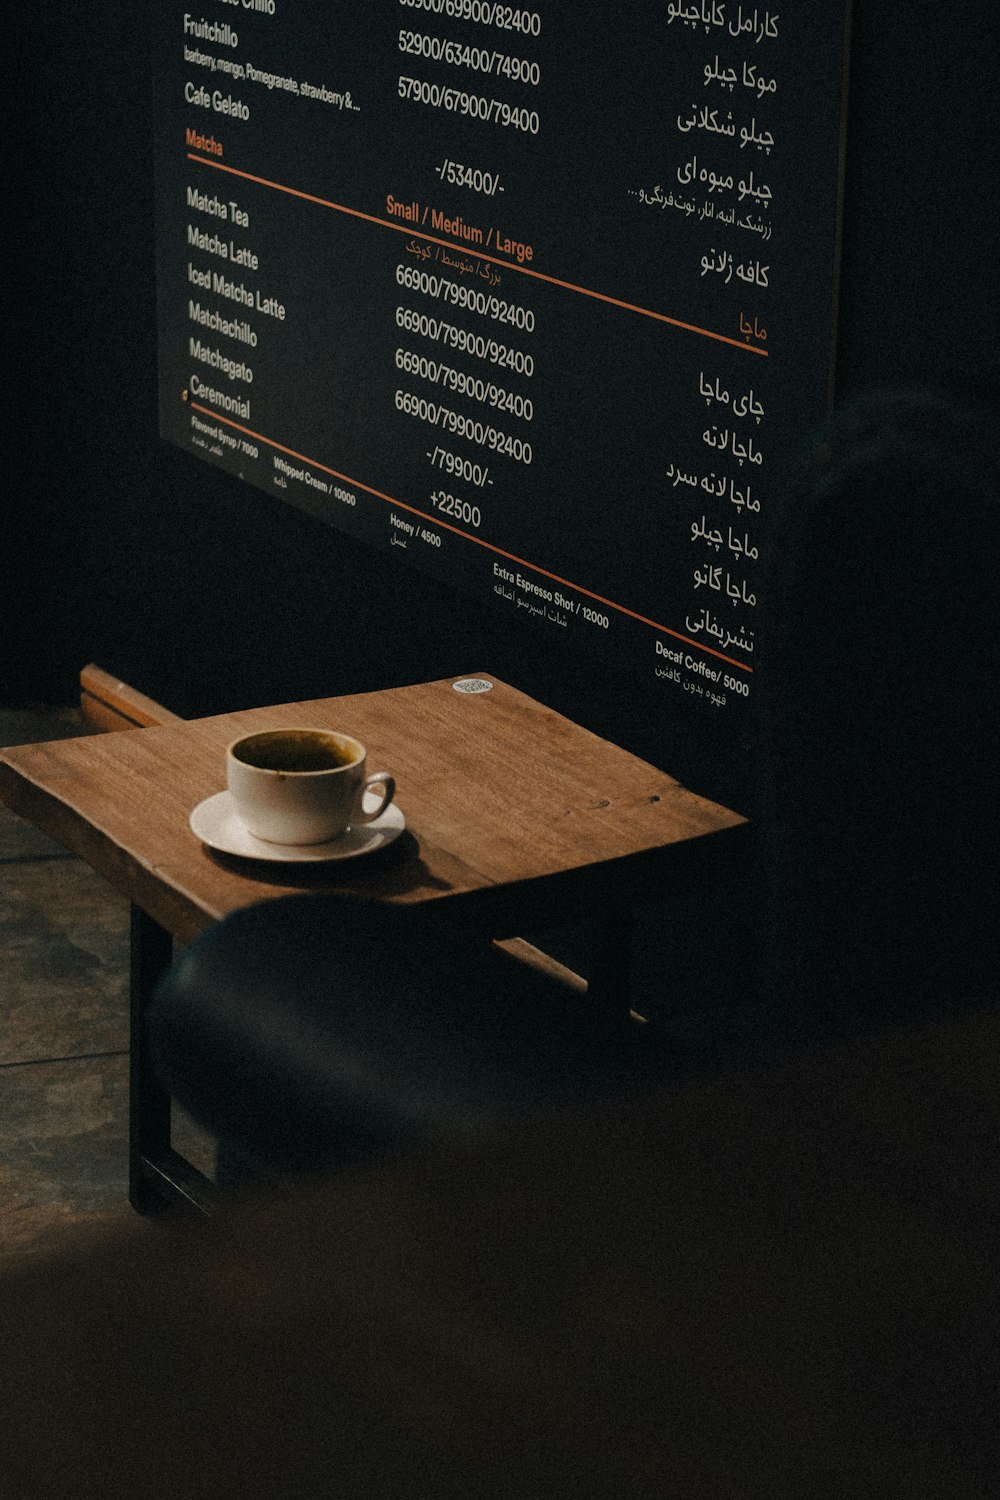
[(63, 1030)]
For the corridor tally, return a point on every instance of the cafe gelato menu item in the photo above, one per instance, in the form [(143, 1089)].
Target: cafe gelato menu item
[(539, 296)]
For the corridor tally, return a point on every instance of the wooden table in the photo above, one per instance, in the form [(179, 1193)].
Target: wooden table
[(515, 816)]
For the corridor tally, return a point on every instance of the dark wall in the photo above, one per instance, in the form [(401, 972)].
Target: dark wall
[(210, 596)]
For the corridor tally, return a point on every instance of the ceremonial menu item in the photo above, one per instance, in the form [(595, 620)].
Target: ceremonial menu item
[(303, 786), (540, 295)]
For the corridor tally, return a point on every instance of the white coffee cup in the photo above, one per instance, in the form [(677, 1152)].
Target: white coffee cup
[(302, 786)]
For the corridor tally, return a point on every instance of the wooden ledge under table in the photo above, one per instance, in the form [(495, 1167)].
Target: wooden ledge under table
[(515, 817)]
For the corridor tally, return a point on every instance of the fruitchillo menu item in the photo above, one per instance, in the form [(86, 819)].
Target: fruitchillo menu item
[(541, 296)]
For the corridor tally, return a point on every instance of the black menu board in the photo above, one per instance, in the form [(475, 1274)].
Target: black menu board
[(541, 296)]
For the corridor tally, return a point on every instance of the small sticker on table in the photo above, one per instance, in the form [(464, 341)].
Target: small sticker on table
[(472, 685)]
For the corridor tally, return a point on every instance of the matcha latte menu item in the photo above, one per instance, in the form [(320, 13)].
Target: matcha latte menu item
[(538, 298)]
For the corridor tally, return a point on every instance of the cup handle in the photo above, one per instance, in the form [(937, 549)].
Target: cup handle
[(378, 779)]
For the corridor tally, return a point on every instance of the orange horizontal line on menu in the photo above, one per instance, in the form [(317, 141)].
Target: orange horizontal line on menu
[(568, 286), (466, 535)]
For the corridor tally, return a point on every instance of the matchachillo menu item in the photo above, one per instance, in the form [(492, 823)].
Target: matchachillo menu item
[(540, 297)]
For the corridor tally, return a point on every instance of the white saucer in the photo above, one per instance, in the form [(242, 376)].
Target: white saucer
[(214, 821)]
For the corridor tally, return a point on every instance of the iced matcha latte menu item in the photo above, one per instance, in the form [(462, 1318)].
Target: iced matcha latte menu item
[(540, 297)]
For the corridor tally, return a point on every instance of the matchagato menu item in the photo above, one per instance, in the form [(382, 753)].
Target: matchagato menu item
[(541, 297)]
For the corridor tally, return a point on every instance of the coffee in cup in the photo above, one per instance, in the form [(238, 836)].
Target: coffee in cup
[(302, 786)]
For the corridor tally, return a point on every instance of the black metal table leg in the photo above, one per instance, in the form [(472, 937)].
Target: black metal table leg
[(158, 1178), (149, 1104)]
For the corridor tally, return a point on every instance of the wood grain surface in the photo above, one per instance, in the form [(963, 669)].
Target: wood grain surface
[(107, 703), (501, 795)]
